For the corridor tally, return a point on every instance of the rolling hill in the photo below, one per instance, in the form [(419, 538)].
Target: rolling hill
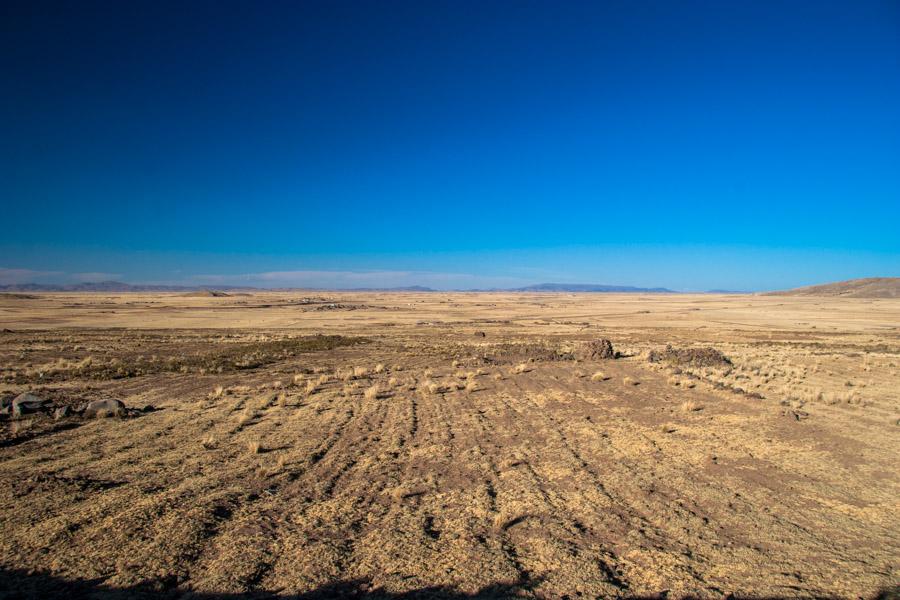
[(872, 287)]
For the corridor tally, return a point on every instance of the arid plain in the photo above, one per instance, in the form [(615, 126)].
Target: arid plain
[(405, 445)]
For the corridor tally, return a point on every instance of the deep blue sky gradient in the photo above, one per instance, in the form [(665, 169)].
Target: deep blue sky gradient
[(695, 145)]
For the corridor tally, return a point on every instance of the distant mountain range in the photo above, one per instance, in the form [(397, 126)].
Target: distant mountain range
[(118, 286), (871, 287), (590, 287), (874, 287), (100, 286)]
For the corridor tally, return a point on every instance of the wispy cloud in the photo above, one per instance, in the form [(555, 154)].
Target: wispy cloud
[(15, 276), (94, 277)]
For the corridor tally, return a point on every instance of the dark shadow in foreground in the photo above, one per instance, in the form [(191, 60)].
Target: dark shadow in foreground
[(20, 585)]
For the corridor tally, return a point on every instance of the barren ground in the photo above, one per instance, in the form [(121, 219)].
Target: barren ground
[(447, 463)]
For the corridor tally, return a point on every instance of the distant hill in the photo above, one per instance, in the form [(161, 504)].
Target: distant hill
[(872, 287), (589, 287), (100, 286)]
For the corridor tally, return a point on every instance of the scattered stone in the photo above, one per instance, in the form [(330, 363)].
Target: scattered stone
[(695, 357), (26, 403), (104, 408), (598, 350)]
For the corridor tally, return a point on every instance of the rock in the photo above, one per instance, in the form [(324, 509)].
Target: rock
[(148, 408), (479, 334), (28, 403), (98, 409), (695, 357), (598, 349), (61, 413)]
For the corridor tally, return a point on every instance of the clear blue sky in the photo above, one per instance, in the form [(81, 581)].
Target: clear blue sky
[(692, 145)]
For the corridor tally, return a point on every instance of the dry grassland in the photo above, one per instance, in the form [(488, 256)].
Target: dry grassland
[(372, 445)]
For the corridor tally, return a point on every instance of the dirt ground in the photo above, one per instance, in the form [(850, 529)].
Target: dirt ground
[(377, 445)]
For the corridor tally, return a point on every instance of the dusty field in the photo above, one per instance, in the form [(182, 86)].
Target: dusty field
[(373, 445)]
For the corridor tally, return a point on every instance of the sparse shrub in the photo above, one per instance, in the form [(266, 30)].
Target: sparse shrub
[(379, 368), (298, 379), (372, 392), (599, 376), (630, 381), (472, 386)]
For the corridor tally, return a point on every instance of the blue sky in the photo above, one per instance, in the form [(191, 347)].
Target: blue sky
[(691, 145)]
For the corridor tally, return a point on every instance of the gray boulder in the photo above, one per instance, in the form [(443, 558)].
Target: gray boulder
[(104, 408), (27, 403)]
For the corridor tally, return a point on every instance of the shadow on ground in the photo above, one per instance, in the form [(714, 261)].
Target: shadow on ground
[(17, 584)]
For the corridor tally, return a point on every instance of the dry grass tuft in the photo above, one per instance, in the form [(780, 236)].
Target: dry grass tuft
[(379, 368), (691, 406), (209, 442), (218, 392), (599, 376), (298, 379), (630, 381), (372, 392), (521, 368), (472, 386), (247, 417), (254, 447), (20, 426)]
